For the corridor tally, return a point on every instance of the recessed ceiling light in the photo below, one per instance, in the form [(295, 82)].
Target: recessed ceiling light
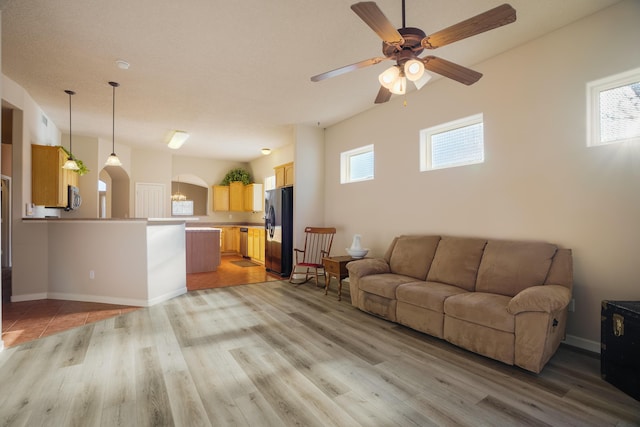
[(123, 65), (266, 151)]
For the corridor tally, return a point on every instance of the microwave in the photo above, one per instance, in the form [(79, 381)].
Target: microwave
[(73, 198)]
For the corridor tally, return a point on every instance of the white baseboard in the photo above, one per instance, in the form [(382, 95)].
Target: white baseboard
[(28, 297), (97, 298), (166, 297), (585, 344)]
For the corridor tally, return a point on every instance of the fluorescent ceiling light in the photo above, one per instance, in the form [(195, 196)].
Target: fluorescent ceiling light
[(178, 138)]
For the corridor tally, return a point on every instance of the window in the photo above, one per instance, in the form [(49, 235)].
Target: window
[(182, 207), (456, 143), (356, 165), (613, 109)]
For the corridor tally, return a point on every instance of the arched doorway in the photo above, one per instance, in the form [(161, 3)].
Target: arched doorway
[(113, 196)]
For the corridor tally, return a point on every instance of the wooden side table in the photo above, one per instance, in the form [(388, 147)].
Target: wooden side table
[(335, 266)]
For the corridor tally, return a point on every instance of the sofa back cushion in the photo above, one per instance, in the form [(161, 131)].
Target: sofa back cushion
[(456, 262), (509, 267), (412, 255)]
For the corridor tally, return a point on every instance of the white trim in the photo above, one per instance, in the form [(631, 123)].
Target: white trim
[(96, 298), (585, 344), (426, 161), (345, 164), (167, 296), (28, 297)]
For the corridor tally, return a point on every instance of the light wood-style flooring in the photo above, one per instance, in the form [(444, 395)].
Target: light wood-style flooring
[(28, 320), (276, 354)]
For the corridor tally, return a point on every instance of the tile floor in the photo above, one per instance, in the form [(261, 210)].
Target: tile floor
[(29, 320)]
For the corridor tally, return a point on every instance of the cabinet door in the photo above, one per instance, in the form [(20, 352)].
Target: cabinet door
[(279, 171), (220, 198), (48, 180), (250, 245), (260, 249), (236, 196), (253, 198), (288, 175)]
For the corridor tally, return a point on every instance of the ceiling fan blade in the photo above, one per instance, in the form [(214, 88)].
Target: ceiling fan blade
[(451, 70), (384, 95), (347, 68), (371, 14), (494, 18)]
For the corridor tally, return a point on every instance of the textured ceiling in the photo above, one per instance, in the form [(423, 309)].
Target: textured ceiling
[(234, 74)]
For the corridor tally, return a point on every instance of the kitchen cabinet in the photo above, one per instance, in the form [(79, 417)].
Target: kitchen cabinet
[(230, 240), (236, 196), (255, 244), (284, 175), (253, 198), (220, 198), (49, 182), (203, 249)]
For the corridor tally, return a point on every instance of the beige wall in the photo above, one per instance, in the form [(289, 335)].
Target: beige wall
[(539, 180)]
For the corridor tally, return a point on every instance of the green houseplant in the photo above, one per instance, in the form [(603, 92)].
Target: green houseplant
[(237, 174), (82, 168)]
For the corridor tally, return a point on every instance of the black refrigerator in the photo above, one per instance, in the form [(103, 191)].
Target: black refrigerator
[(278, 207)]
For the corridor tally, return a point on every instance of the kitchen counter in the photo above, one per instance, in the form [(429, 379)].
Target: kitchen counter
[(203, 249), (137, 262)]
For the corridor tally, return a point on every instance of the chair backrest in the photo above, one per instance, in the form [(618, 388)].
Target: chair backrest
[(317, 243)]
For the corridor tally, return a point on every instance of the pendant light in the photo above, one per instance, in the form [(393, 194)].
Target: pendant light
[(70, 164), (178, 196), (113, 160)]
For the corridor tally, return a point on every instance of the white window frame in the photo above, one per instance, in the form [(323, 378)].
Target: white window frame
[(594, 89), (345, 164), (427, 134)]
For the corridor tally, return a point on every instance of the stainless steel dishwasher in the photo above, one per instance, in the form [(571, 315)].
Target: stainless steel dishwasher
[(244, 242)]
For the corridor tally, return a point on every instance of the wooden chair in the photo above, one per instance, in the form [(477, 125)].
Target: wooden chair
[(317, 245)]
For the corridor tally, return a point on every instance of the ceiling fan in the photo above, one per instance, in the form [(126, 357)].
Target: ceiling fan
[(405, 44)]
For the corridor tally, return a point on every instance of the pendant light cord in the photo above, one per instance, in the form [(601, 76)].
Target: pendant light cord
[(114, 85), (70, 92)]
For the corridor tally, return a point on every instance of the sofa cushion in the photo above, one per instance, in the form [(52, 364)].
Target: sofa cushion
[(412, 255), (482, 309), (509, 267), (456, 262), (383, 285), (429, 295)]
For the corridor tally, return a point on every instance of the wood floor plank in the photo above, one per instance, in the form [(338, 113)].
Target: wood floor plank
[(276, 354)]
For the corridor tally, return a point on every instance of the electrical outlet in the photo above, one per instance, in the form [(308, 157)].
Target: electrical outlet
[(572, 305), (92, 274)]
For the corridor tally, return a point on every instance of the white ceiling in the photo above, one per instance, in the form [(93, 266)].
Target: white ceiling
[(234, 74)]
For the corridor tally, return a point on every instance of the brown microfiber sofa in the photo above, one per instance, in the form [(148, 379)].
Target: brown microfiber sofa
[(503, 299)]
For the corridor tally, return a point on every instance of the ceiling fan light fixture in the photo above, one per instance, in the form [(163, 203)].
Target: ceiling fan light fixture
[(413, 69), (399, 86), (178, 138), (389, 76), (422, 80)]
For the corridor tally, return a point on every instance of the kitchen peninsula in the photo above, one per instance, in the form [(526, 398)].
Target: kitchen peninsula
[(138, 262)]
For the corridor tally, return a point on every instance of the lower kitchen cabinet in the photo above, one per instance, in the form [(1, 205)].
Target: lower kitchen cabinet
[(256, 244)]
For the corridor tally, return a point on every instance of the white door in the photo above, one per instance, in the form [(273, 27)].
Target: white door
[(150, 200)]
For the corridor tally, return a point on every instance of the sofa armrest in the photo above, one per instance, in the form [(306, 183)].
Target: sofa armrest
[(546, 298), (367, 267)]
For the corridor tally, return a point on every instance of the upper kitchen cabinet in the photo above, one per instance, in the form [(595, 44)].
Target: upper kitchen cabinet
[(284, 175), (220, 198), (253, 198), (49, 182), (236, 196)]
